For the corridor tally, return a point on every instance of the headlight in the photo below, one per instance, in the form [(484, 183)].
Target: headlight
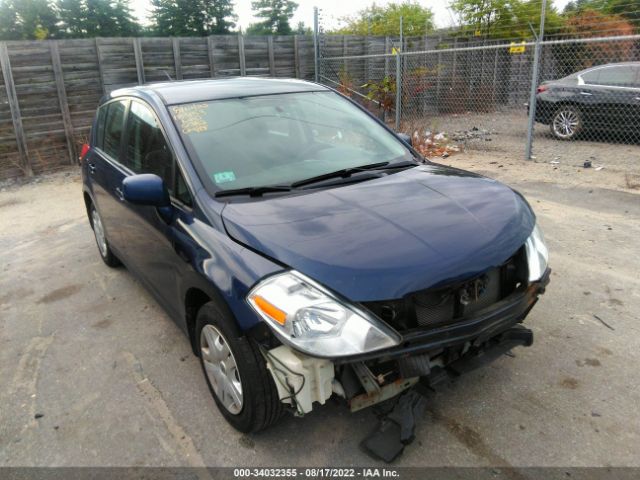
[(311, 319), (537, 254)]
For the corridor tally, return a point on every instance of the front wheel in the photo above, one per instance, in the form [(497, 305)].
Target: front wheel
[(236, 374), (566, 123), (106, 254)]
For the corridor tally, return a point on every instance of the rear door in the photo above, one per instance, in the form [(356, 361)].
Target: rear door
[(104, 169), (614, 93)]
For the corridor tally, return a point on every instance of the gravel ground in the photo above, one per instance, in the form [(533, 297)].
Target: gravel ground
[(95, 373)]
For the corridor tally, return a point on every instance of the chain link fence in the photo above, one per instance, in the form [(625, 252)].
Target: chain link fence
[(457, 95)]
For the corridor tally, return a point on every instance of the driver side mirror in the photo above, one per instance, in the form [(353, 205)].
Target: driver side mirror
[(146, 189), (405, 138)]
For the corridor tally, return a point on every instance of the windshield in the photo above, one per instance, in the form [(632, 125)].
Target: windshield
[(280, 139)]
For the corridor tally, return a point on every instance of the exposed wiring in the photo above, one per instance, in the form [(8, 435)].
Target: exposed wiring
[(293, 393)]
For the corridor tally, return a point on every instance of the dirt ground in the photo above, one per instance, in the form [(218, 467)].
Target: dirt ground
[(93, 372), (499, 137)]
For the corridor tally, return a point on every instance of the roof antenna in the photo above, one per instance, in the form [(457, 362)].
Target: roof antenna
[(167, 74)]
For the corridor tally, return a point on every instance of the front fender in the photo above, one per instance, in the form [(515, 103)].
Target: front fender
[(223, 269)]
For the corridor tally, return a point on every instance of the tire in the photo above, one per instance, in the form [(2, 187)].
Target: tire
[(108, 257), (566, 123), (226, 354)]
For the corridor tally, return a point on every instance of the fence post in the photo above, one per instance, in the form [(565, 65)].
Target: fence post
[(345, 65), (316, 45), (399, 80), (366, 64), (438, 73), (210, 52), (175, 42), (272, 60), (296, 56), (62, 98), (386, 57), (241, 59), (534, 83), (12, 98), (137, 51), (495, 76), (99, 63)]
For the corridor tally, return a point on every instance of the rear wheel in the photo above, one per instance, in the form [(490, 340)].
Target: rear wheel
[(566, 123), (106, 254), (236, 373)]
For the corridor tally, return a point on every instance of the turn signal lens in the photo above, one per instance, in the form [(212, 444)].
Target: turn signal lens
[(271, 310)]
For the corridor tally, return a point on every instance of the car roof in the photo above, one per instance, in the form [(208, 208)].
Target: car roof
[(188, 91)]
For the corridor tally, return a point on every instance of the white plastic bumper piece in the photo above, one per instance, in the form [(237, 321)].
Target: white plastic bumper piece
[(298, 376)]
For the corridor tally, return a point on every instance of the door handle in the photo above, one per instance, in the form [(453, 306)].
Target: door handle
[(586, 94), (92, 168), (119, 193)]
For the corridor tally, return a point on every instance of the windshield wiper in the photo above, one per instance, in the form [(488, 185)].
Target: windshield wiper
[(253, 191), (343, 172), (347, 172)]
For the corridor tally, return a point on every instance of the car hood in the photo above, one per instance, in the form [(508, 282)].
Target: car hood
[(383, 238)]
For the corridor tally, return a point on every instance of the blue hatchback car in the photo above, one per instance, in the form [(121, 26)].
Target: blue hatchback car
[(306, 249)]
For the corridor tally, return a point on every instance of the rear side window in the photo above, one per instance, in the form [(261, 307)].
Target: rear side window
[(99, 135), (621, 76), (113, 125)]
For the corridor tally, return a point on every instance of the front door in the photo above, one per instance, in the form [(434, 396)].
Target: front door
[(148, 235)]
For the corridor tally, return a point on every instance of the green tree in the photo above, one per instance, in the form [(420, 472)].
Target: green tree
[(276, 15), (503, 18), (192, 17), (27, 19), (385, 20), (625, 8), (10, 29), (221, 16), (107, 18), (302, 29), (126, 24), (72, 15)]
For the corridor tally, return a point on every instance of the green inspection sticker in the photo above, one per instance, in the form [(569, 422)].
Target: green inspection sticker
[(224, 177)]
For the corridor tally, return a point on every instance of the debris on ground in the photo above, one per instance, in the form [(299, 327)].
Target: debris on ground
[(587, 164), (434, 144), (603, 322), (474, 134), (396, 428)]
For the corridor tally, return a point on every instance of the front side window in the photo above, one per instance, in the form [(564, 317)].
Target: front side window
[(113, 125), (280, 139), (147, 150)]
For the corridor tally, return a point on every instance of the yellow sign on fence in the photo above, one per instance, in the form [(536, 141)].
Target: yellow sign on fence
[(517, 48)]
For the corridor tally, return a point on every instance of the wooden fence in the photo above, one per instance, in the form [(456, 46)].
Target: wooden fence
[(49, 90)]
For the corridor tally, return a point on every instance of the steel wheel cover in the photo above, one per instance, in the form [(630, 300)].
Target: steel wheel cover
[(98, 230), (221, 368)]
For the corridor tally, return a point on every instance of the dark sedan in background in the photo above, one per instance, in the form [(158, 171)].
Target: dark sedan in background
[(605, 98)]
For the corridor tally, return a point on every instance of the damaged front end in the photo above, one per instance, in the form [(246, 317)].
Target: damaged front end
[(369, 352), (470, 338)]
